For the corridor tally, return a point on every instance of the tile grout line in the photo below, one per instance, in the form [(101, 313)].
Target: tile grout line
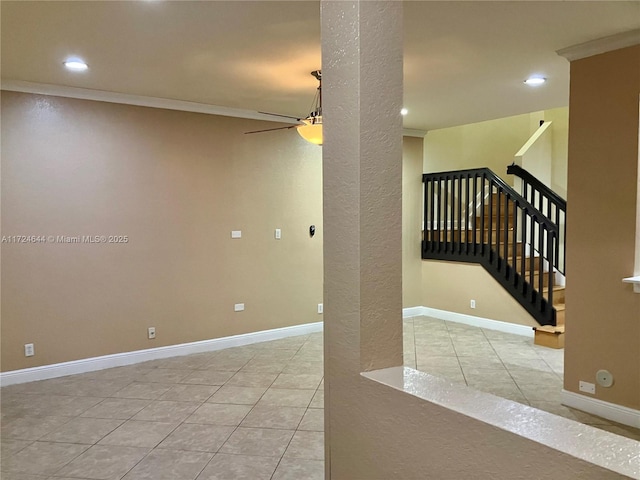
[(506, 368), (464, 377), (252, 408), (294, 432)]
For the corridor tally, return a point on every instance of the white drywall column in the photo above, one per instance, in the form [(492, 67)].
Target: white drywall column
[(362, 172)]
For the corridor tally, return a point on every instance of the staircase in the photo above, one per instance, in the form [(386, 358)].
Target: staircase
[(474, 216)]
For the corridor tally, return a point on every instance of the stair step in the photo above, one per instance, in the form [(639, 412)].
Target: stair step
[(510, 249), (494, 216), (494, 200), (455, 235), (494, 223), (549, 336), (536, 276), (558, 295), (494, 210), (528, 263), (560, 314)]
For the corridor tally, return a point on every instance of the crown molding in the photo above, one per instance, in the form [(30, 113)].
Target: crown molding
[(601, 45), (412, 132), (138, 100), (152, 102)]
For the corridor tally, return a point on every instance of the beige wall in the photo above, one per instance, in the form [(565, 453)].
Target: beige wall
[(603, 314), (411, 221), (176, 184), (494, 143), (559, 148), (489, 144), (373, 431), (451, 286)]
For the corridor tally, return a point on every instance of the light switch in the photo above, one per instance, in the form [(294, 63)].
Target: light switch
[(278, 234), (236, 233)]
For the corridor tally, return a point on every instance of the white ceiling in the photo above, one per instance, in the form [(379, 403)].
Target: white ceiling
[(464, 61)]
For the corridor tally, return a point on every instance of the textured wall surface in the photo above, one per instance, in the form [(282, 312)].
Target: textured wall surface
[(373, 431), (176, 184), (603, 314), (493, 143), (412, 200), (451, 286)]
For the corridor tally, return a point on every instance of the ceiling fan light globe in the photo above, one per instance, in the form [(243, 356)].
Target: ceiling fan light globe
[(311, 132)]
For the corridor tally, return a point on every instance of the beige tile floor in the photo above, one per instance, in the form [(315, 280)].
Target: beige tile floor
[(509, 366), (253, 412)]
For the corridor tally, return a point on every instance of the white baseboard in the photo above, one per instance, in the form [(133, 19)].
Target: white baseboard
[(481, 322), (610, 411), (412, 312), (128, 358)]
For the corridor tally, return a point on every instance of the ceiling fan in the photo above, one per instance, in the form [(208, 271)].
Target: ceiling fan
[(310, 127)]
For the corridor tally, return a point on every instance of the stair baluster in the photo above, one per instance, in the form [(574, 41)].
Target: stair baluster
[(474, 216)]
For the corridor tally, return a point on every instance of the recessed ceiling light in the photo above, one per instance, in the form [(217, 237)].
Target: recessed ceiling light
[(535, 81), (404, 111), (75, 64)]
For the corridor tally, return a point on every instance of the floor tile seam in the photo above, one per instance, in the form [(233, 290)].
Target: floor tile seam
[(138, 462), (187, 401), (457, 357), (287, 447), (415, 346), (205, 465), (179, 424), (257, 455), (58, 470), (246, 415), (34, 394), (96, 442), (232, 403), (267, 428), (44, 434), (295, 388), (48, 395), (182, 449), (30, 442), (553, 370), (151, 449), (505, 366), (214, 369), (247, 455), (518, 386), (113, 394)]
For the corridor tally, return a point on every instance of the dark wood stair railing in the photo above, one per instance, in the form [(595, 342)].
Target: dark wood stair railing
[(474, 216), (548, 202)]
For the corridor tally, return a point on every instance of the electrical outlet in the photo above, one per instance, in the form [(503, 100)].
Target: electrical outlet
[(320, 308), (29, 351), (236, 234), (238, 307), (473, 304), (151, 332), (587, 387)]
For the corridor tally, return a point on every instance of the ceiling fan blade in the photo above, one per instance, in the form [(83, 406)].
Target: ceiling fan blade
[(272, 129), (279, 115)]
